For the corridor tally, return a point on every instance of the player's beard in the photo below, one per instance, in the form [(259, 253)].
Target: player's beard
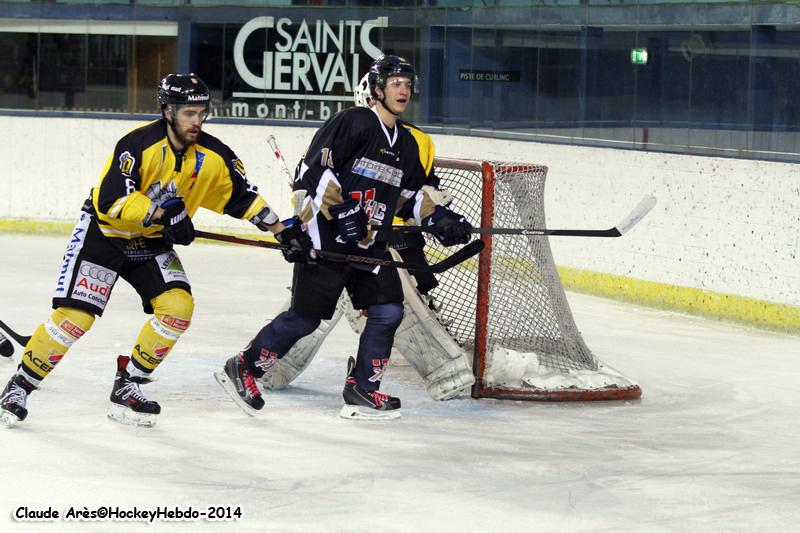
[(186, 138)]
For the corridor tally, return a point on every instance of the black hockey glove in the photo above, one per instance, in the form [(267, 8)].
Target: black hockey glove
[(350, 219), (449, 228), (297, 242), (178, 227)]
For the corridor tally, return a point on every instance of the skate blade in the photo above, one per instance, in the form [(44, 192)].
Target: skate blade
[(355, 412), (225, 382), (8, 419), (124, 415)]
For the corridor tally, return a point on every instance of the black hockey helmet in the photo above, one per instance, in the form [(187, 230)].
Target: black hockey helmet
[(183, 89), (386, 66)]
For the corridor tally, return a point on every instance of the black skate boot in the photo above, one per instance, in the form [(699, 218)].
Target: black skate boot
[(6, 348), (14, 400), (360, 403), (128, 404), (240, 385)]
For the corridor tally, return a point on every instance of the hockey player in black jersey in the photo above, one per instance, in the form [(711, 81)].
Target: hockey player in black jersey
[(360, 169), (158, 176), (422, 337)]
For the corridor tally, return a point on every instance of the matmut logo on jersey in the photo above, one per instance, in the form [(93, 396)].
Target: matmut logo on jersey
[(378, 171), (312, 65)]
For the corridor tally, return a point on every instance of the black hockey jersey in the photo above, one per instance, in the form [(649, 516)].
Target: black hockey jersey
[(354, 155)]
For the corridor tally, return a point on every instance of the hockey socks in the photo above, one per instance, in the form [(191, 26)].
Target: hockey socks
[(375, 343), (172, 316), (275, 339), (52, 340)]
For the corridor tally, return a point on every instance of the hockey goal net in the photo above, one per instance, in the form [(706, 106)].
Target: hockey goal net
[(508, 305)]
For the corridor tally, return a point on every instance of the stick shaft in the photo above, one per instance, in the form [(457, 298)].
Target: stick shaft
[(634, 217), (462, 254)]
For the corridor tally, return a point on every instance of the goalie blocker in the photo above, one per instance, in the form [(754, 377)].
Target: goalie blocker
[(421, 338)]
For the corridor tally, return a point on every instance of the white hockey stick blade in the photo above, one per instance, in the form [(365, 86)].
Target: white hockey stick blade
[(638, 213), (129, 417), (225, 382), (354, 412), (8, 419)]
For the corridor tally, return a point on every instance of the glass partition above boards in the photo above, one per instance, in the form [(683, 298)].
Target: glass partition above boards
[(610, 73)]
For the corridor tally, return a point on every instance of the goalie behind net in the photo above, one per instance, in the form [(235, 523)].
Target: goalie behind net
[(508, 304)]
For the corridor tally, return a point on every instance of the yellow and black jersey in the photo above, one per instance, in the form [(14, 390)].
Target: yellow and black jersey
[(426, 154), (425, 145), (145, 170)]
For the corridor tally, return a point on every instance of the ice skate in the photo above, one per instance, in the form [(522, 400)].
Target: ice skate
[(14, 400), (240, 385), (6, 348), (362, 404), (128, 404)]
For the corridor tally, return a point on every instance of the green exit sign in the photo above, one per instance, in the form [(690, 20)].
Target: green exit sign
[(639, 56)]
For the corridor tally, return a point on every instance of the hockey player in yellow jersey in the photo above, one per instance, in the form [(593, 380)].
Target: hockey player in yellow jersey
[(151, 186)]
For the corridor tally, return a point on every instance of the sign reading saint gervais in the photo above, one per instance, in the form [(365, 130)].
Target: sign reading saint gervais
[(302, 70)]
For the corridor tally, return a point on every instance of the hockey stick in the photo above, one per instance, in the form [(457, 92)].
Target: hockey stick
[(450, 261), (20, 339), (297, 196), (273, 143), (645, 206)]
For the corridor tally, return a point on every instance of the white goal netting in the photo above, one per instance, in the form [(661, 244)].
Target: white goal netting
[(508, 305)]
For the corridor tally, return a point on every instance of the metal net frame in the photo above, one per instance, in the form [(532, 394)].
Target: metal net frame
[(508, 304)]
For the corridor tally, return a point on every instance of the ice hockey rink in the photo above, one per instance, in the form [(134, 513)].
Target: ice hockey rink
[(711, 446)]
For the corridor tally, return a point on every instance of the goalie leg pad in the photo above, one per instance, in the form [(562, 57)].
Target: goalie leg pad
[(429, 348), (297, 359), (356, 318)]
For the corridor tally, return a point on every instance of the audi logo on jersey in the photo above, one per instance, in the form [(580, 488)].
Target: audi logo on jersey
[(96, 272), (93, 284)]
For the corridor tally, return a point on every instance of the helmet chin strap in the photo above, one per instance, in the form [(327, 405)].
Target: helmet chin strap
[(382, 100), (171, 122)]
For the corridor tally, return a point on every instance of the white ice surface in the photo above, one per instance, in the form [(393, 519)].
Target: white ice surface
[(712, 445)]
